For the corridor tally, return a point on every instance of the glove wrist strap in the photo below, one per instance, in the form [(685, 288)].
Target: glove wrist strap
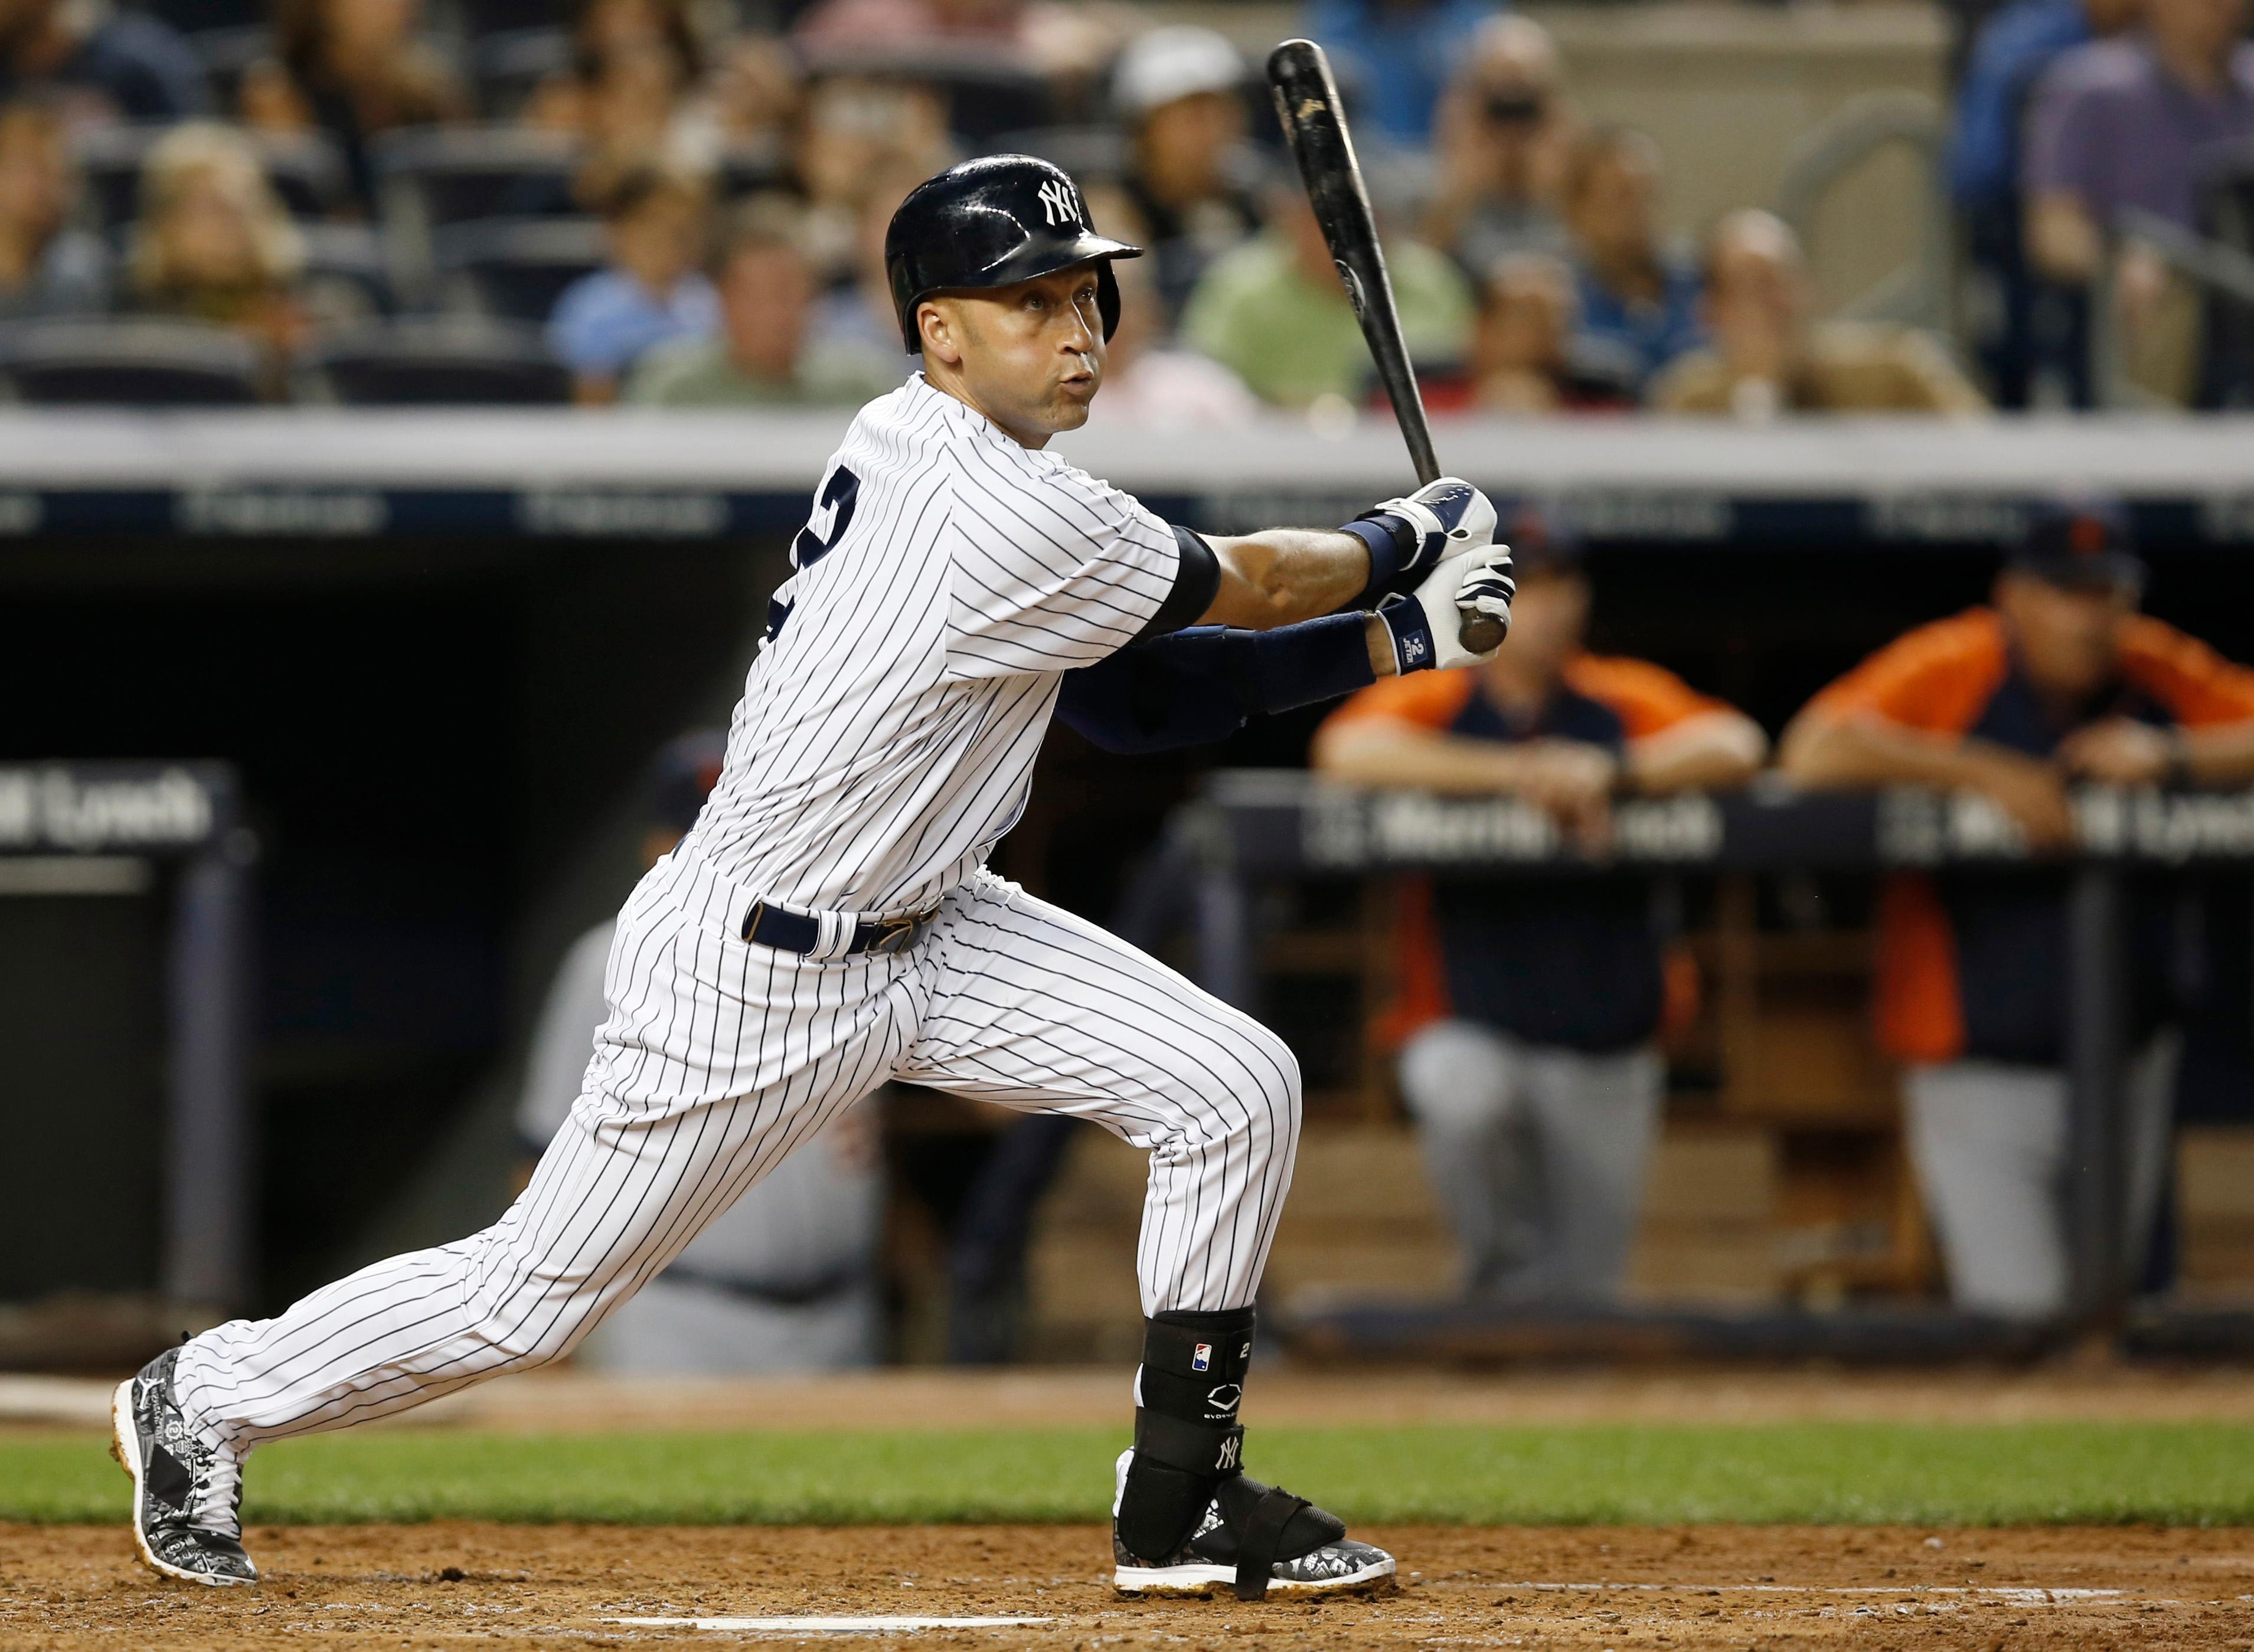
[(1414, 649), (1392, 541)]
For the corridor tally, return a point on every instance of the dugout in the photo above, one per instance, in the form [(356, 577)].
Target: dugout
[(436, 649)]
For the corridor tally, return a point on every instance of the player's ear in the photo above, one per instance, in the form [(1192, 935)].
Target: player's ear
[(937, 325)]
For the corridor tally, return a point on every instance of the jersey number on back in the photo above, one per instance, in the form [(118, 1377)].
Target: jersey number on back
[(839, 494)]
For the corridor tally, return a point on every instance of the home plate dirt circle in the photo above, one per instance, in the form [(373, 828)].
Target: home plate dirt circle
[(459, 1586)]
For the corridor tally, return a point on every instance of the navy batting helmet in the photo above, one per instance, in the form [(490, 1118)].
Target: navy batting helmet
[(989, 222)]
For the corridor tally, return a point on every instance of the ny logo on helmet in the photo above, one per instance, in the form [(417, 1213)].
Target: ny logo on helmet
[(1058, 205)]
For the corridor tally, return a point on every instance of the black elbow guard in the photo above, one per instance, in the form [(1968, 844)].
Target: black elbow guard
[(1197, 579)]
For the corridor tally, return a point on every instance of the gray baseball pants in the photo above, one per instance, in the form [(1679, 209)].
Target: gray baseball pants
[(1539, 1154), (1990, 1140)]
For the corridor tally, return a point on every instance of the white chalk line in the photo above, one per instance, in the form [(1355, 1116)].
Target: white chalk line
[(2033, 1597), (828, 1626)]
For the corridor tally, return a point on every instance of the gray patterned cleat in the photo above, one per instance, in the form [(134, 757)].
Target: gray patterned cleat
[(1253, 1539), (174, 1528)]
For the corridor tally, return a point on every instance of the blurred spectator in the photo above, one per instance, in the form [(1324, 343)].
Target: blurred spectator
[(99, 64), (2059, 679), (1634, 287), (628, 93), (1041, 35), (48, 266), (653, 290), (2122, 124), (784, 1279), (602, 29), (350, 69), (2024, 328), (1529, 355), (626, 108), (1531, 1071), (1180, 93), (855, 321), (854, 133), (762, 356), (754, 97), (1499, 144), (213, 242), (1766, 357), (1148, 383), (1273, 312), (1393, 58)]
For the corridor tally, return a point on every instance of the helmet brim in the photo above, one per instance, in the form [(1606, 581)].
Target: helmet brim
[(1034, 260)]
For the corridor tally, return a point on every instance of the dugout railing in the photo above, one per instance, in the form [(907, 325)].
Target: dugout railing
[(112, 829), (1253, 829)]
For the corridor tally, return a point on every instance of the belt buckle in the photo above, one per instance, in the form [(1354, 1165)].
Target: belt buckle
[(899, 935)]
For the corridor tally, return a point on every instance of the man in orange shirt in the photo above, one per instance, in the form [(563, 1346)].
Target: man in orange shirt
[(1536, 1088), (2059, 679)]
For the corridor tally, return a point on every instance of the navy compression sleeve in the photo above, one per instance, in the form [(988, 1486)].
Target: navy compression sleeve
[(1198, 686)]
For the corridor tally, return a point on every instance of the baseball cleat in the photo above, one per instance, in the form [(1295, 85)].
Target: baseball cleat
[(1312, 1553), (172, 1471)]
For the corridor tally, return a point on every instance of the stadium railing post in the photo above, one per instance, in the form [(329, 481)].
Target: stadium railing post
[(208, 1146), (2098, 1195)]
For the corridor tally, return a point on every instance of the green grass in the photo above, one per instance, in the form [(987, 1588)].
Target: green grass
[(2088, 1472)]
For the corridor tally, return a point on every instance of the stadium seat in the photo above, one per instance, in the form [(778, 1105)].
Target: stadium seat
[(482, 18), (451, 175), (2226, 216), (197, 17), (431, 177), (1092, 154), (350, 255), (424, 361), (515, 269), (983, 97), (133, 361), (506, 66), (226, 52), (304, 167), (747, 172)]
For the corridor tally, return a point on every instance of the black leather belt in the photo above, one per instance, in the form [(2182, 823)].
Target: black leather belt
[(800, 931)]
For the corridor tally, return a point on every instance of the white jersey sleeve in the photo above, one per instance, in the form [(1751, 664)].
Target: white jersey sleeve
[(1049, 569)]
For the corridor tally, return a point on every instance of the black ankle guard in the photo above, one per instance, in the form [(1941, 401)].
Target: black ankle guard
[(1187, 1439)]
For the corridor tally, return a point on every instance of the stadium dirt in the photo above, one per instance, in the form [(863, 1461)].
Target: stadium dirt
[(449, 1583), (446, 1585)]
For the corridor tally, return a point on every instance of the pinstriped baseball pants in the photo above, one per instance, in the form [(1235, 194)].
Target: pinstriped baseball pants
[(719, 1058)]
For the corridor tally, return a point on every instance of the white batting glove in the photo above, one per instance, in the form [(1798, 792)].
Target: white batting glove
[(1428, 622), (1438, 521)]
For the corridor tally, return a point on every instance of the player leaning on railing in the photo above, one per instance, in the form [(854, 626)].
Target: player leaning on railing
[(829, 923)]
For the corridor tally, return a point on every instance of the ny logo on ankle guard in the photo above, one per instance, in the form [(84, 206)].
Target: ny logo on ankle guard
[(1231, 1450)]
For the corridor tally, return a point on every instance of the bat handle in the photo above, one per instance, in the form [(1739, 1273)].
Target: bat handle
[(1480, 632)]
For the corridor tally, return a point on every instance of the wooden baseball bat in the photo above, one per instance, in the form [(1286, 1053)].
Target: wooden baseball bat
[(1307, 103)]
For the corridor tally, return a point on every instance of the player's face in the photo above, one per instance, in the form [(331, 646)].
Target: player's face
[(1028, 356), (1548, 617), (2066, 636)]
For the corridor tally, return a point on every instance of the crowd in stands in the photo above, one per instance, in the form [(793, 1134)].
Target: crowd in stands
[(2089, 134), (682, 208)]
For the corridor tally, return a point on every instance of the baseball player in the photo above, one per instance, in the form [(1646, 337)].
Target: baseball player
[(829, 922)]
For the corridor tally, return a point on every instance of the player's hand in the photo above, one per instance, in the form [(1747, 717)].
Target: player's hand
[(1573, 781), (2119, 751), (1438, 521), (1426, 623), (2033, 794)]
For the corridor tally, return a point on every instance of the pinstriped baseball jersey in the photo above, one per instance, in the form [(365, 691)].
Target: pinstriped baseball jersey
[(884, 740), (887, 735)]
